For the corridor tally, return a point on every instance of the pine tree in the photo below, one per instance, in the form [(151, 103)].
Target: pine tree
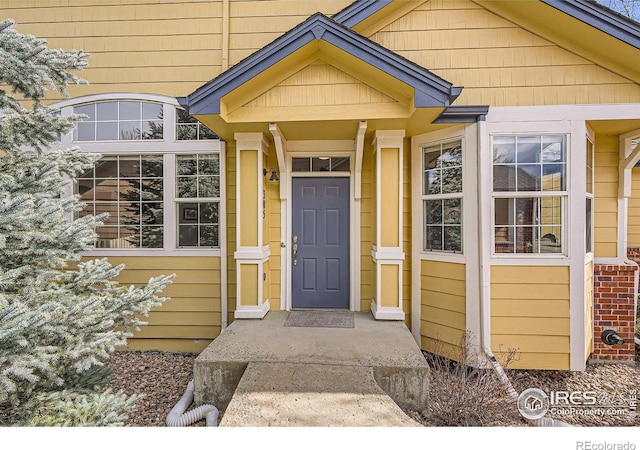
[(58, 321)]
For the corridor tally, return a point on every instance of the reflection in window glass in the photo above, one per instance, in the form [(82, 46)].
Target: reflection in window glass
[(129, 189), (529, 163), (301, 164), (531, 224), (119, 120), (442, 197), (589, 198), (198, 192), (189, 129), (528, 225), (321, 164)]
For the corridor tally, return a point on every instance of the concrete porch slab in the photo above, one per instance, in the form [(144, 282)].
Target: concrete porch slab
[(384, 349), (311, 395)]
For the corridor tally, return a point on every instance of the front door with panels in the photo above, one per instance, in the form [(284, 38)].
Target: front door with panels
[(320, 243)]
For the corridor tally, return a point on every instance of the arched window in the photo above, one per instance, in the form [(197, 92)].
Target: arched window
[(120, 120), (159, 174)]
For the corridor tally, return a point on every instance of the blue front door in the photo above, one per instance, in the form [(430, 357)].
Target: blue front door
[(320, 243)]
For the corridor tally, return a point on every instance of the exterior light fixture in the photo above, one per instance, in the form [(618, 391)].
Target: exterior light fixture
[(274, 175)]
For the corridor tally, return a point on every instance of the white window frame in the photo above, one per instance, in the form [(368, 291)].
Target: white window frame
[(564, 195), (431, 197), (169, 147), (468, 136), (591, 196)]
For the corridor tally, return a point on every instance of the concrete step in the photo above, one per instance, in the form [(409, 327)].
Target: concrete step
[(385, 348), (310, 395)]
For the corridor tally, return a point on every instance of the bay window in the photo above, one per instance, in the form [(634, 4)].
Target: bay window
[(529, 193), (442, 197), (589, 198)]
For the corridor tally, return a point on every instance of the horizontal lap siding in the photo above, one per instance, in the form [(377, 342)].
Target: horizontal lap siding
[(606, 197), (633, 232), (191, 319), (406, 234), (231, 229), (367, 229), (496, 61), (272, 229), (443, 307), (320, 84), (530, 314), (168, 48), (255, 24)]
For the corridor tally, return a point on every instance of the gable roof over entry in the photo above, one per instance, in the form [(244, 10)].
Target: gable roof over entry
[(428, 90)]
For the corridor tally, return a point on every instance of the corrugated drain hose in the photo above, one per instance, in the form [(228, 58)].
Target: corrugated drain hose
[(177, 417)]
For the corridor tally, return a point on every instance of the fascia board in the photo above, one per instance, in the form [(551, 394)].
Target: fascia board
[(430, 89), (359, 11), (599, 17)]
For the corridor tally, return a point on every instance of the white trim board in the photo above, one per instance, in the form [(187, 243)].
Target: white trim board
[(288, 149)]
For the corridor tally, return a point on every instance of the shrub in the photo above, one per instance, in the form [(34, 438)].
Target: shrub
[(464, 395)]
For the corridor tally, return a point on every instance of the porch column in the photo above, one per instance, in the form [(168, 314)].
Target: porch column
[(251, 253), (387, 252)]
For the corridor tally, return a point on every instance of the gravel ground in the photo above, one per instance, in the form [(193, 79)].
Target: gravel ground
[(161, 379)]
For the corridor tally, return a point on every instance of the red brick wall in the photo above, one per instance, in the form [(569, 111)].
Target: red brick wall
[(633, 253), (613, 305)]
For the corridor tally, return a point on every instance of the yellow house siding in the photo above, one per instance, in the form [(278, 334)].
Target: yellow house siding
[(530, 314), (248, 198), (168, 47), (153, 47), (390, 187), (367, 229), (389, 289), (443, 307), (255, 24), (633, 230), (498, 62), (406, 234), (273, 228), (231, 229), (248, 284), (191, 319), (606, 196), (320, 84)]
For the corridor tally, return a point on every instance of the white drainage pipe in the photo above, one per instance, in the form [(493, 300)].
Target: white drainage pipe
[(542, 421), (485, 288), (177, 417)]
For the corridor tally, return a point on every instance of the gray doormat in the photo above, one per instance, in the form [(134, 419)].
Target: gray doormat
[(320, 319)]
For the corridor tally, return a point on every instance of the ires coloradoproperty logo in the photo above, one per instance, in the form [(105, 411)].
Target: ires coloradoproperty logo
[(534, 403)]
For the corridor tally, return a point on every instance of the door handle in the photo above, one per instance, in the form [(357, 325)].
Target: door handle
[(295, 250)]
